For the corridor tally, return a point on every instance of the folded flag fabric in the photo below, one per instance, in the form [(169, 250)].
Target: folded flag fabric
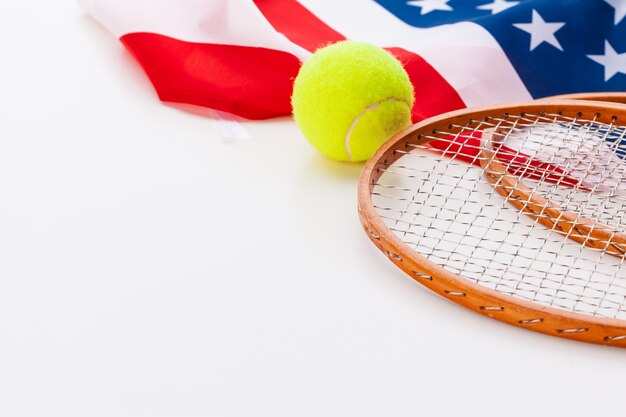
[(241, 56)]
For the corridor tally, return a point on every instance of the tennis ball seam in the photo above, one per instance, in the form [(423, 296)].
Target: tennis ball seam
[(371, 107)]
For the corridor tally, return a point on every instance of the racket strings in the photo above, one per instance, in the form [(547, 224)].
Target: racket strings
[(595, 148), (607, 211), (566, 196), (580, 129), (543, 177), (444, 208)]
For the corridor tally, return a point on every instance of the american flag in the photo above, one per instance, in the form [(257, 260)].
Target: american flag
[(241, 56)]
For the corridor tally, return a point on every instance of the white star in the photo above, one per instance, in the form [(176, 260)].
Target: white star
[(428, 6), (498, 6), (611, 60), (541, 31), (620, 9)]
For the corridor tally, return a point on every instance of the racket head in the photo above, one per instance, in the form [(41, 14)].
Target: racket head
[(503, 306)]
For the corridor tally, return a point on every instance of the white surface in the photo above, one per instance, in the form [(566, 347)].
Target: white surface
[(147, 268)]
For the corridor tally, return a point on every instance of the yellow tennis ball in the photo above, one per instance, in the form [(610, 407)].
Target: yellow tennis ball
[(350, 97)]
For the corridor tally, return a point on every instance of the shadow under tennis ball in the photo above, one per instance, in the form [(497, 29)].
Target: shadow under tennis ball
[(323, 195), (322, 166)]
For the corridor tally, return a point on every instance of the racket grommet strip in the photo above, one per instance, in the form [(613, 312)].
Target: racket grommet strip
[(394, 256), (614, 338), (530, 321), (492, 308), (574, 330), (373, 234), (455, 293), (422, 276)]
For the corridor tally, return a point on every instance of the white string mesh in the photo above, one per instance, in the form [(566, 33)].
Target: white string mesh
[(445, 209)]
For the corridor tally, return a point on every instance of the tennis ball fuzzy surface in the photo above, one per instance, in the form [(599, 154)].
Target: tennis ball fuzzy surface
[(349, 98)]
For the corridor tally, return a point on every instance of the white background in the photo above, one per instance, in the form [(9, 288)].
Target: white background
[(148, 268)]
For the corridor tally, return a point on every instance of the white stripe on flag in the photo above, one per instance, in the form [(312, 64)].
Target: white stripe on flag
[(221, 22), (465, 54)]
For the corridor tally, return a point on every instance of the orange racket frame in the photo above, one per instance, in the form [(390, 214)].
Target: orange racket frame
[(503, 307)]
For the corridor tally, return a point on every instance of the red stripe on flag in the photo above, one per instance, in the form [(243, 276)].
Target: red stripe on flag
[(433, 94), (298, 24), (255, 83)]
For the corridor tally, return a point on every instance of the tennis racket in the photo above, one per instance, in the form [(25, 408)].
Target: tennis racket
[(517, 212)]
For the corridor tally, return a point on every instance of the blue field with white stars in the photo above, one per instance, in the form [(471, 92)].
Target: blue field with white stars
[(556, 46)]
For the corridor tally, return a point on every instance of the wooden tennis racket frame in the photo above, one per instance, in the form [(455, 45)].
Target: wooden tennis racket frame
[(503, 307)]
